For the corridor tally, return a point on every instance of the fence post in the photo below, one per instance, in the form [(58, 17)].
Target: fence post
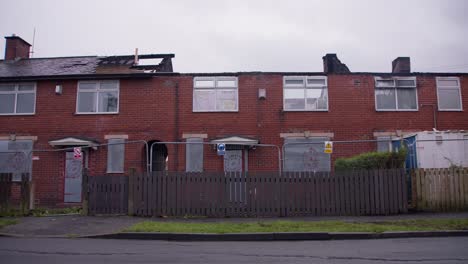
[(85, 192), (131, 183), (414, 194), (24, 194)]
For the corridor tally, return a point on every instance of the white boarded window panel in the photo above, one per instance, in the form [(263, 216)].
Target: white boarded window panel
[(383, 144), (294, 82), (227, 83), (115, 155), (226, 100), (204, 100), (205, 83), (316, 82), (306, 154), (14, 157), (194, 155)]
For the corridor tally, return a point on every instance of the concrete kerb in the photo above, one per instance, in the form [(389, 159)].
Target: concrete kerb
[(293, 236)]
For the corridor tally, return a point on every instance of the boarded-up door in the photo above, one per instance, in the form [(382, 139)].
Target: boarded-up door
[(73, 178)]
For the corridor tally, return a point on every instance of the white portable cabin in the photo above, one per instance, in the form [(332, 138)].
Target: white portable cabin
[(445, 148)]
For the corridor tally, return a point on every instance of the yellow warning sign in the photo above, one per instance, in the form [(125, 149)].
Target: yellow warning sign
[(328, 147)]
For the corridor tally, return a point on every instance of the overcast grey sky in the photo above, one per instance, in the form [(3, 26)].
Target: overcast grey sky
[(217, 36)]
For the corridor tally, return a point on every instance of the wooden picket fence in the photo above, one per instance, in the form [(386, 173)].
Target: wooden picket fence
[(440, 189), (106, 195), (255, 194)]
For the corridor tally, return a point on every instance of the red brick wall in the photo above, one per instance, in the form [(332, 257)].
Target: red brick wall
[(149, 110)]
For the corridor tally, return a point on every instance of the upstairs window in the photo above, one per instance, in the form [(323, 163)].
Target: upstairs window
[(396, 94), (98, 97), (305, 93), (17, 98), (215, 94), (448, 94)]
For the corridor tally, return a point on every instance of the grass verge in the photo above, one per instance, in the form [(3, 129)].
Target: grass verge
[(293, 226), (5, 222)]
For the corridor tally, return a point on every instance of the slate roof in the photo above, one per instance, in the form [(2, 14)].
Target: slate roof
[(49, 66), (85, 65)]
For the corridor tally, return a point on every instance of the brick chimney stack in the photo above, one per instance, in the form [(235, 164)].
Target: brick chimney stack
[(331, 64), (16, 47), (401, 65)]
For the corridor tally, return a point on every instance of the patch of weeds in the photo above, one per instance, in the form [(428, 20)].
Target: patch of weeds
[(12, 213), (5, 222), (55, 211)]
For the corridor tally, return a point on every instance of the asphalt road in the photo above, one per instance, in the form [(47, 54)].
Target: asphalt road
[(415, 250)]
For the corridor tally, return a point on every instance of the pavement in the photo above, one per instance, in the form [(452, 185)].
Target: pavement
[(66, 226), (444, 250)]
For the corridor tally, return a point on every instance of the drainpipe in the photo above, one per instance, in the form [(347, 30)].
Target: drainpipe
[(176, 126)]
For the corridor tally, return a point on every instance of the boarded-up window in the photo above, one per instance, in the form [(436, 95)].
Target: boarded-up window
[(306, 154), (194, 155), (115, 155), (384, 144), (15, 157)]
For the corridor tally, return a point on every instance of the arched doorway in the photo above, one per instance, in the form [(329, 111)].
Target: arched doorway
[(158, 156)]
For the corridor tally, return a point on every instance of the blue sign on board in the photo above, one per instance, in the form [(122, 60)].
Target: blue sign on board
[(221, 148)]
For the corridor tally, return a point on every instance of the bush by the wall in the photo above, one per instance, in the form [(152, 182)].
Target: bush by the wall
[(373, 160)]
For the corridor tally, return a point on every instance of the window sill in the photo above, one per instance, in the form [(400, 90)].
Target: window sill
[(115, 172), (20, 114), (397, 110), (101, 113), (231, 111), (298, 110), (450, 110)]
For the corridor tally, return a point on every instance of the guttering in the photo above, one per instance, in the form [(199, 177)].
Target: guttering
[(83, 77)]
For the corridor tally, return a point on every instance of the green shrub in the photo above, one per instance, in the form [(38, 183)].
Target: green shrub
[(373, 160)]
